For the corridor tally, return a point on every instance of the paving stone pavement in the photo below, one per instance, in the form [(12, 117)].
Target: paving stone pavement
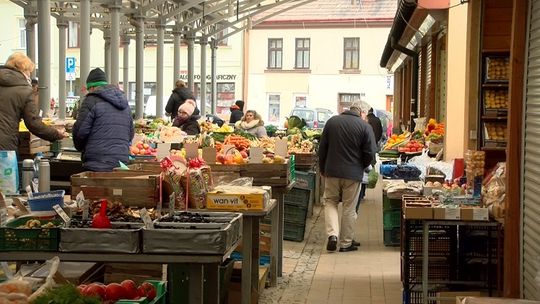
[(313, 275)]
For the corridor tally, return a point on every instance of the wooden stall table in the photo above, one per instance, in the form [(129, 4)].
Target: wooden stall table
[(250, 248), (201, 267), (278, 176)]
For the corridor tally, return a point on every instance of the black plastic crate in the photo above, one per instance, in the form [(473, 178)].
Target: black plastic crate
[(416, 297), (392, 237), (442, 239), (295, 214), (298, 197), (294, 231), (439, 269)]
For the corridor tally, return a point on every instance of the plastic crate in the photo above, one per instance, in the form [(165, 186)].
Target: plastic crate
[(391, 219), (13, 238), (415, 297), (439, 269), (44, 201), (305, 180), (295, 214), (294, 231), (392, 237), (390, 203), (298, 197), (161, 293)]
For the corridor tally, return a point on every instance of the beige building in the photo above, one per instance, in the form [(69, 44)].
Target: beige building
[(323, 54)]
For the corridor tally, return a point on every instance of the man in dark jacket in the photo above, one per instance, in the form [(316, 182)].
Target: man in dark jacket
[(347, 147), (237, 111), (104, 127), (17, 101), (179, 95), (376, 124)]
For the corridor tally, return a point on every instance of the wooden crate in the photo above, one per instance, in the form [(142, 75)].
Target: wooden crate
[(30, 144), (131, 188), (305, 159)]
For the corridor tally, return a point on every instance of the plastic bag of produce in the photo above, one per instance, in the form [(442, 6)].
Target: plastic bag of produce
[(9, 174), (196, 188), (373, 177)]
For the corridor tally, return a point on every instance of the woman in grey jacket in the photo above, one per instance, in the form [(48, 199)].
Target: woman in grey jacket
[(252, 123)]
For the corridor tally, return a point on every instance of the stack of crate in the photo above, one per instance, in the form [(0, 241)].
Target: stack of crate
[(296, 209), (391, 220), (306, 180)]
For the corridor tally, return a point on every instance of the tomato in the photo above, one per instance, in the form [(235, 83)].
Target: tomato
[(96, 290), (130, 288), (81, 288), (114, 292), (147, 290)]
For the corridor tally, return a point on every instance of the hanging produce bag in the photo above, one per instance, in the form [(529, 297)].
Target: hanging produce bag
[(373, 177), (9, 174)]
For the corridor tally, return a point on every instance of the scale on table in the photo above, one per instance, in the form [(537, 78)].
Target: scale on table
[(69, 154)]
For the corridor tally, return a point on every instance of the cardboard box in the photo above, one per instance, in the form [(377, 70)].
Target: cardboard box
[(237, 201), (475, 214), (447, 213), (453, 295), (486, 300), (428, 190), (417, 208)]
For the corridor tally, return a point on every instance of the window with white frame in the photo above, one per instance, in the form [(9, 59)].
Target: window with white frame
[(275, 53), (22, 33), (351, 53), (273, 107), (73, 34), (300, 101)]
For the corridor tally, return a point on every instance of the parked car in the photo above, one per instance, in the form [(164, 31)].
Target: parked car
[(314, 117)]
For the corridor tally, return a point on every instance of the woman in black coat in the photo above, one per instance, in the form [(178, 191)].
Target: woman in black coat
[(237, 111), (179, 95)]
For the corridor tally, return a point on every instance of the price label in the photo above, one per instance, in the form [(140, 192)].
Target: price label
[(209, 155), (17, 202), (2, 201), (85, 210), (452, 213), (255, 155), (148, 224), (480, 214), (281, 147), (163, 150), (192, 150), (62, 214), (3, 216)]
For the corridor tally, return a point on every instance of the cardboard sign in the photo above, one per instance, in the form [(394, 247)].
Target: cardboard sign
[(85, 210), (192, 150), (228, 149), (62, 214), (163, 150), (256, 155), (17, 202), (209, 155), (281, 147)]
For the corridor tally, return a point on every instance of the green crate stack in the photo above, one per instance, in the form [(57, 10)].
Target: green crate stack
[(296, 207), (391, 220)]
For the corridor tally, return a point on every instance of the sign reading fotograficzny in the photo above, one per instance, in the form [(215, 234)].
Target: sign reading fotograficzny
[(209, 77)]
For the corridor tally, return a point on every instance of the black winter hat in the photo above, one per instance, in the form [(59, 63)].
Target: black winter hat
[(96, 78), (240, 104)]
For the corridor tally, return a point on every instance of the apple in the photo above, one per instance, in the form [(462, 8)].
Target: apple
[(140, 146), (147, 290), (134, 150), (244, 154), (146, 146), (130, 288)]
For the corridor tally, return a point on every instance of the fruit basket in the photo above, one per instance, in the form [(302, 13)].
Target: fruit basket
[(193, 233), (496, 102), (122, 238), (497, 69), (29, 234)]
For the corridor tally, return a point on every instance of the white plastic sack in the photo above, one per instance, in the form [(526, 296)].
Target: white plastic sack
[(9, 173)]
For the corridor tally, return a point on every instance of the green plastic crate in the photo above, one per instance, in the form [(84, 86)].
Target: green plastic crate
[(391, 218), (298, 197), (391, 203), (161, 294), (294, 231), (305, 180), (13, 238), (295, 214), (392, 237)]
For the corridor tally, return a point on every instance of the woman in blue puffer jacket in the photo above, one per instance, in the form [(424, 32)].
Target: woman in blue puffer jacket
[(104, 127)]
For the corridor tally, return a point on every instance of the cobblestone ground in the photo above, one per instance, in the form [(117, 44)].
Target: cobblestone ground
[(300, 263)]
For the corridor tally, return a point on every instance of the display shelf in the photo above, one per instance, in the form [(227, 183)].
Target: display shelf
[(487, 117), (496, 85)]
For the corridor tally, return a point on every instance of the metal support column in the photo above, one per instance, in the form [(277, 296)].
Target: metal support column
[(191, 62), (125, 78), (44, 44), (176, 63), (114, 8), (213, 60), (85, 43), (202, 93), (160, 26), (62, 25), (139, 67), (107, 54), (30, 16)]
